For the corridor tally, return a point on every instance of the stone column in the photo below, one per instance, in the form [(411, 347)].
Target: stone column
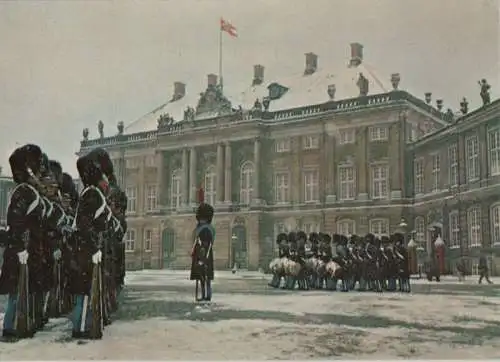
[(185, 174), (256, 174), (220, 173), (161, 181), (192, 177), (330, 168), (362, 161), (227, 175)]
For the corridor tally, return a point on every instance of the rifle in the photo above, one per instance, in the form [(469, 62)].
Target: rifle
[(96, 306), (22, 321)]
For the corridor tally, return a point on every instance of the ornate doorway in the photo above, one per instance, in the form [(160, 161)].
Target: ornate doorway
[(239, 246), (168, 247)]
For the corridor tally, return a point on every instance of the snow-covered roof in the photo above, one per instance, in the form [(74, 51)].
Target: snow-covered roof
[(302, 90)]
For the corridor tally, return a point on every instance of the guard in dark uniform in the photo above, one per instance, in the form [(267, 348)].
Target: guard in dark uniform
[(326, 255), (401, 254), (91, 223), (24, 216), (202, 266)]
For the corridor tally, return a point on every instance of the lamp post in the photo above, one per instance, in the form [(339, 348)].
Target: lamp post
[(234, 239)]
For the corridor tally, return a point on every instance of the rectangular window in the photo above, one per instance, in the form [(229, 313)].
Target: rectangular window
[(282, 187), (472, 158), (436, 172), (495, 224), (474, 225), (283, 145), (131, 192), (150, 161), (454, 222), (347, 183), (310, 227), (379, 227), (379, 176), (311, 186), (494, 151), (176, 190), (311, 142), (420, 232), (131, 163), (453, 165), (346, 227), (148, 239), (419, 176), (151, 198), (347, 136), (379, 134), (130, 241)]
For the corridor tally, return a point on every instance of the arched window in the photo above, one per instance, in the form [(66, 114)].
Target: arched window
[(379, 227), (346, 227), (420, 231), (176, 189), (210, 185), (495, 224), (246, 183)]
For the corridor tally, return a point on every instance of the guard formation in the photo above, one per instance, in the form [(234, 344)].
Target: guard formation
[(64, 253), (324, 262)]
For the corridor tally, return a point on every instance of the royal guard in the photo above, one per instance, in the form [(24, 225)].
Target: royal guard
[(55, 224), (202, 266), (24, 217), (69, 202), (91, 224)]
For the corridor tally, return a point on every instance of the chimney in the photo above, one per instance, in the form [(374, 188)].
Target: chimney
[(356, 54), (179, 91), (211, 80), (258, 74), (311, 63)]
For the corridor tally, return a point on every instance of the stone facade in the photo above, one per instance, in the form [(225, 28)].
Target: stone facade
[(456, 187), (343, 166)]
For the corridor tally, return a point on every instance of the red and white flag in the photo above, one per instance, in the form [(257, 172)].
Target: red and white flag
[(228, 28)]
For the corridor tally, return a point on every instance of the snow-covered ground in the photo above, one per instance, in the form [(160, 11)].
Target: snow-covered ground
[(158, 320)]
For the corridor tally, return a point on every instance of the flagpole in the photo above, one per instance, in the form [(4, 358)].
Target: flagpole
[(220, 58)]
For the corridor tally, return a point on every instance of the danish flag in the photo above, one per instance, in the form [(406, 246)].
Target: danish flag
[(228, 28)]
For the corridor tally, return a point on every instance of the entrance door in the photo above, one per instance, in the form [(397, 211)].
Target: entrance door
[(239, 250), (168, 244)]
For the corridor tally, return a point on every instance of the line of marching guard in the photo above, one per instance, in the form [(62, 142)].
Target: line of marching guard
[(64, 254), (370, 263)]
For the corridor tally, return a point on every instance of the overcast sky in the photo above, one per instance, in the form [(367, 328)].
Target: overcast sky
[(64, 65)]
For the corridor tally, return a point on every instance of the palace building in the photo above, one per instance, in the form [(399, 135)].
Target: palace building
[(337, 150)]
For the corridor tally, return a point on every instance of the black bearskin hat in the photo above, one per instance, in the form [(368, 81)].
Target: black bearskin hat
[(355, 239), (336, 238), (281, 238), (385, 240), (57, 172), (314, 237), (89, 171), (301, 235), (398, 238), (326, 238), (68, 187), (292, 237), (205, 212), (100, 156), (45, 170), (24, 158), (343, 240), (370, 238)]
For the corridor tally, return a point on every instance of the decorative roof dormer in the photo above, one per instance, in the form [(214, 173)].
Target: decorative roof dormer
[(276, 91)]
